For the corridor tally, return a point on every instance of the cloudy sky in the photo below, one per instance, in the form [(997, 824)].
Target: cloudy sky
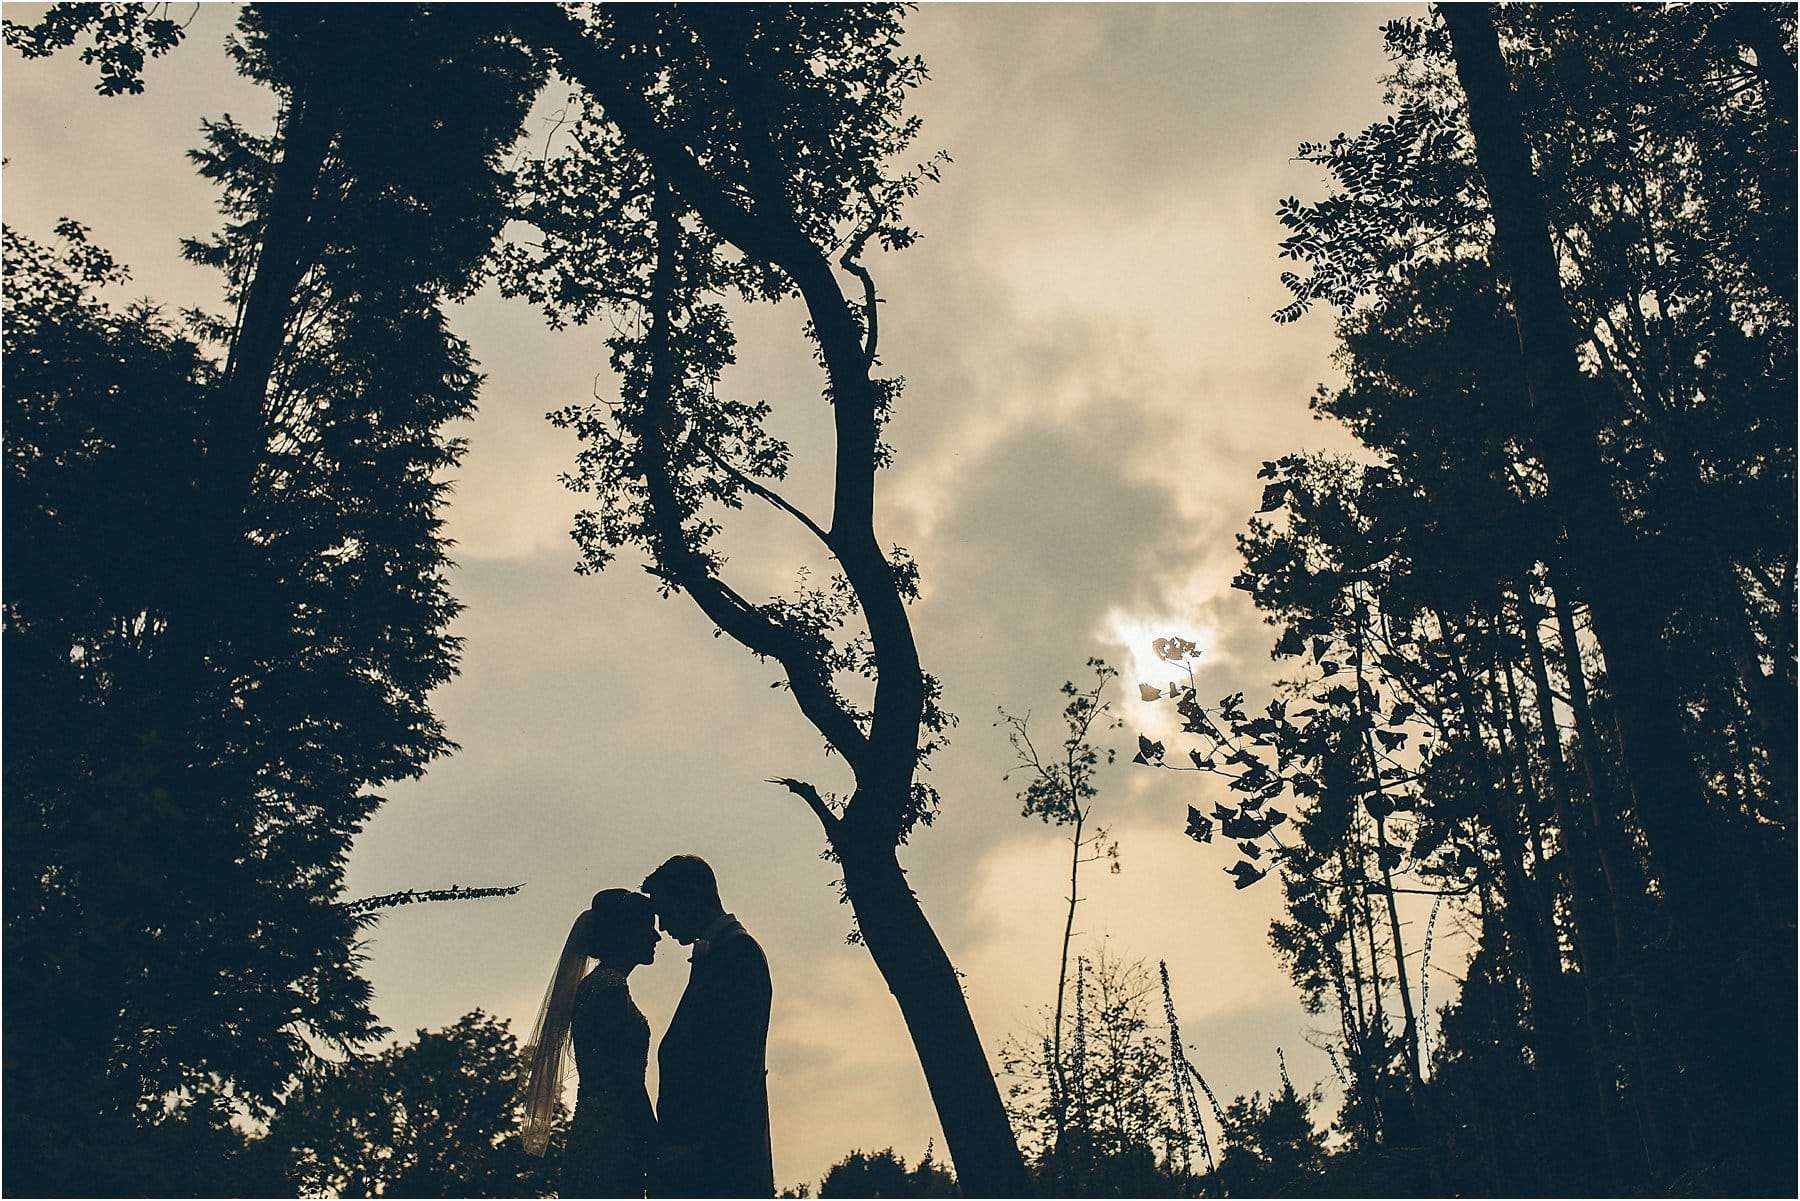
[(1092, 380)]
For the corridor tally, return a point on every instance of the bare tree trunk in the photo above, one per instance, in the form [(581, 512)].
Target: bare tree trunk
[(1062, 971), (1624, 878), (1590, 878), (1591, 899), (1591, 1101), (1614, 844), (1559, 1080), (929, 993), (1410, 1027)]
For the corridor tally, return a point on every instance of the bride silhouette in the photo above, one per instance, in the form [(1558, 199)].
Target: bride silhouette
[(613, 1134)]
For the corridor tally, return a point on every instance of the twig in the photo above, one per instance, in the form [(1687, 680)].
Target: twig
[(419, 896), (810, 795), (774, 498)]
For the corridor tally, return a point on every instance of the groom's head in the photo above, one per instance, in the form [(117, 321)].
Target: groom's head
[(686, 896)]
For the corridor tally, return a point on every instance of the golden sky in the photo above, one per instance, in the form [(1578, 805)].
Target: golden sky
[(1093, 379)]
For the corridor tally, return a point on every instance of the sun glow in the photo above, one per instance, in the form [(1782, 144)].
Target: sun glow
[(1130, 642)]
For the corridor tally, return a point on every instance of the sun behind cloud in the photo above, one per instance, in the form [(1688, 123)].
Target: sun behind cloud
[(1135, 636)]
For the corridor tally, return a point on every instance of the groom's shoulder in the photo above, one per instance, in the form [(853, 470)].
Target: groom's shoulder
[(740, 945), (735, 935)]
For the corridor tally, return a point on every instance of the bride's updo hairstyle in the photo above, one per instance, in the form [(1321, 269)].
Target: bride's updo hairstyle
[(615, 921)]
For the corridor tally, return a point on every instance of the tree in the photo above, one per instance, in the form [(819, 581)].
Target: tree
[(1102, 1115), (229, 592), (1270, 1146), (1062, 792), (1688, 846), (436, 1117), (885, 1174), (126, 980), (1651, 135), (1581, 531), (745, 152), (1667, 787)]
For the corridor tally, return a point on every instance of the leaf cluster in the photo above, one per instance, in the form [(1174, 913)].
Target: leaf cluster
[(123, 37)]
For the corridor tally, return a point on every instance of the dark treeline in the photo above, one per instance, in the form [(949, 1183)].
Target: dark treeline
[(1544, 631), (1540, 636), (225, 597)]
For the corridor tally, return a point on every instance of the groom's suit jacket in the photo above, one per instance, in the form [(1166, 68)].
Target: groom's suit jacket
[(712, 1107)]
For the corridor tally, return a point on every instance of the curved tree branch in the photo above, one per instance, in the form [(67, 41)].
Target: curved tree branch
[(770, 233), (814, 801), (582, 61), (685, 567), (850, 261)]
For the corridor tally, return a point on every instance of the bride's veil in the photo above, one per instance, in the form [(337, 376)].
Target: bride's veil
[(547, 1054)]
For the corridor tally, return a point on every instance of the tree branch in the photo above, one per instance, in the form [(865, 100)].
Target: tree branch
[(583, 61), (769, 233), (899, 688), (762, 490), (849, 261), (814, 801), (410, 896), (680, 564), (762, 635)]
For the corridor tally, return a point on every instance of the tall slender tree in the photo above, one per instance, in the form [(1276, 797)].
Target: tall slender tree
[(1684, 835), (1061, 790), (748, 151)]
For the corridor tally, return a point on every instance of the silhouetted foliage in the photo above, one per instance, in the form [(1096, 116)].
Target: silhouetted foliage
[(1271, 1147), (1544, 639), (227, 599), (436, 1117), (123, 37), (885, 1174), (1103, 1118)]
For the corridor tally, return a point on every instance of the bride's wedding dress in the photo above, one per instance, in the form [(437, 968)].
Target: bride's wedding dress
[(613, 1134)]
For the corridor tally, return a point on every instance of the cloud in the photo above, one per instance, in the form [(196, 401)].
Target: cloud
[(1055, 108), (1092, 380), (508, 503)]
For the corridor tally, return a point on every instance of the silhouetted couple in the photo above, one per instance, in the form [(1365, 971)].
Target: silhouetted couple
[(709, 1133)]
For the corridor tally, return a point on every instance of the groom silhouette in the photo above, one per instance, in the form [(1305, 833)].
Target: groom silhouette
[(712, 1107)]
